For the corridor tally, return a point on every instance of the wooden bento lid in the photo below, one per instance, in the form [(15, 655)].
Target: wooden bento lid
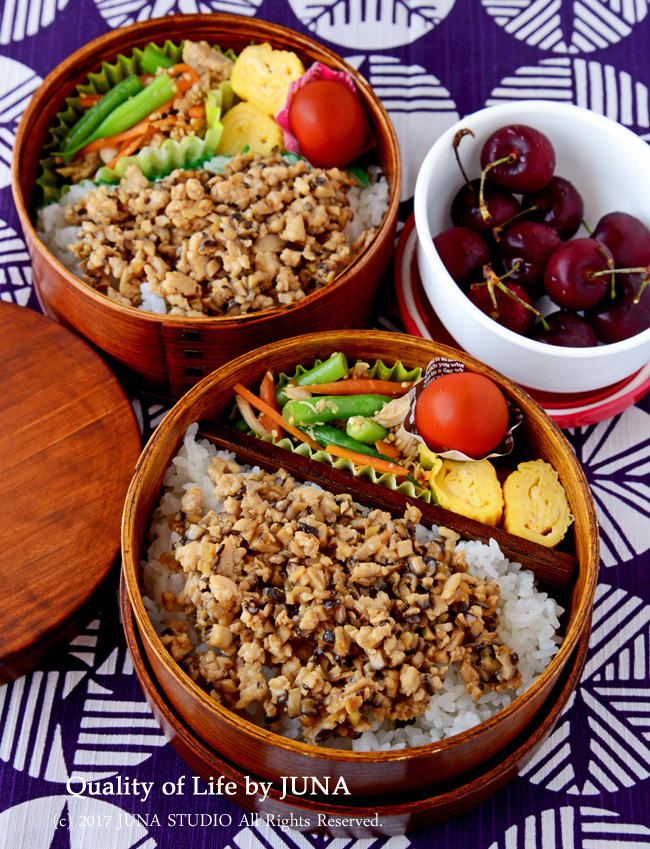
[(69, 442)]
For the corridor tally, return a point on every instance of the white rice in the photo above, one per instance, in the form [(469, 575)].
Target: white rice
[(529, 619), (368, 203)]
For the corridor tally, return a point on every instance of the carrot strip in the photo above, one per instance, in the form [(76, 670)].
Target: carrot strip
[(387, 448), (113, 141), (366, 460), (263, 407), (182, 68), (183, 84), (267, 394), (360, 386), (197, 111), (87, 100), (128, 147)]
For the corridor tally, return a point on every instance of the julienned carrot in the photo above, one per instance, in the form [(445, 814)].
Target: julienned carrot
[(197, 111), (360, 386), (87, 100), (114, 141), (387, 448), (182, 81), (263, 407), (365, 460), (267, 394), (128, 147), (182, 68)]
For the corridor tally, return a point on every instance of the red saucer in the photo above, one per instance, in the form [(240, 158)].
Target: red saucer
[(420, 319)]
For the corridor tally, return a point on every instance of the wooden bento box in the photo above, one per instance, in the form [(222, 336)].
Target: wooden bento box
[(167, 354), (570, 574), (339, 815)]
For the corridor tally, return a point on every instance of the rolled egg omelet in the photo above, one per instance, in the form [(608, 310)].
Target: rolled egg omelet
[(468, 487), (536, 506)]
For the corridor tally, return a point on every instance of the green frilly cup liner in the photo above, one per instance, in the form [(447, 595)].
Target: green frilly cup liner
[(390, 481), (377, 371), (191, 152)]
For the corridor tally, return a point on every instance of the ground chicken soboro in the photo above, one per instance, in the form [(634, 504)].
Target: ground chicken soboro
[(265, 233), (353, 615)]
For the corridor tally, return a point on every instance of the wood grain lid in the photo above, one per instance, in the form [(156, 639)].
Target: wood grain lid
[(69, 442)]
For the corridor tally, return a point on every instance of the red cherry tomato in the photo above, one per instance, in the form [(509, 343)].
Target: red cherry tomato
[(329, 123), (462, 411)]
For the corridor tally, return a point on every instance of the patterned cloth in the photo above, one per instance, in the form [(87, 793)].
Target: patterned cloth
[(84, 714)]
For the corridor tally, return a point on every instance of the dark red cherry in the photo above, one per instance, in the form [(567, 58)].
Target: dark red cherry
[(463, 253), (622, 318), (526, 247), (626, 236), (508, 311), (569, 277), (567, 329), (466, 210), (558, 204), (528, 154)]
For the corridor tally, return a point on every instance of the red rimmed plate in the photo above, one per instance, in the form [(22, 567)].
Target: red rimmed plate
[(420, 319)]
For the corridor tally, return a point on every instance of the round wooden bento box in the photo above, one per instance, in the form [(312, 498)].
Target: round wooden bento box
[(422, 770), (167, 354), (361, 817)]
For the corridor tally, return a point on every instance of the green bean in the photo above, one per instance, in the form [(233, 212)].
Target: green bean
[(130, 113), (153, 58), (334, 368), (365, 430), (329, 435), (98, 112), (327, 407)]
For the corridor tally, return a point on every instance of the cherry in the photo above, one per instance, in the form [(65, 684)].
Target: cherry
[(571, 278), (626, 236), (624, 316), (526, 247), (466, 207), (568, 329), (509, 311), (519, 158), (558, 204), (463, 253)]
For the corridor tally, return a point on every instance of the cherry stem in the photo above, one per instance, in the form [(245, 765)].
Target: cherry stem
[(485, 213), (641, 288), (465, 131), (492, 280), (587, 227), (496, 231), (610, 270), (644, 270)]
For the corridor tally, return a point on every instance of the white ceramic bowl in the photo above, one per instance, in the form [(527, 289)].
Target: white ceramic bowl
[(610, 167)]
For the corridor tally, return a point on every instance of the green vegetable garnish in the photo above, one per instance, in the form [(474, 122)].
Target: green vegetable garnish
[(329, 435), (161, 89), (325, 408), (334, 368), (94, 117), (360, 175), (153, 58), (365, 430)]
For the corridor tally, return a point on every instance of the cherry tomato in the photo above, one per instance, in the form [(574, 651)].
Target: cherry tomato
[(329, 123), (462, 411)]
